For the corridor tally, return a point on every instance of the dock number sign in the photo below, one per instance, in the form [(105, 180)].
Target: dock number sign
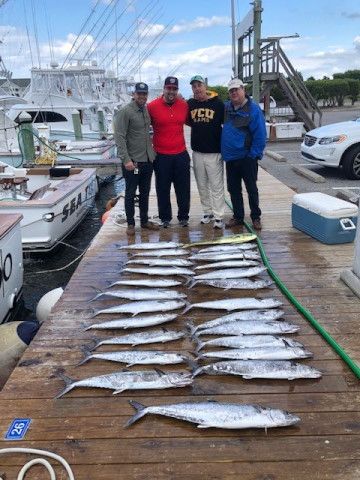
[(18, 429)]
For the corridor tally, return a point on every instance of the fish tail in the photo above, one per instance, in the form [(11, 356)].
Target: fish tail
[(197, 371), (199, 343), (69, 385), (191, 282), (140, 412), (192, 363), (87, 353), (94, 344), (95, 313), (188, 307), (191, 327)]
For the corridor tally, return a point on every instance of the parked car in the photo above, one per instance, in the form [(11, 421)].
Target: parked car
[(335, 145)]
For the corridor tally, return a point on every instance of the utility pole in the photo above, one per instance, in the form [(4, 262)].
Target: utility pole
[(234, 62), (256, 51)]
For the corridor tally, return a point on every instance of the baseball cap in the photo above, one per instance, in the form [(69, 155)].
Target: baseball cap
[(235, 83), (171, 82), (141, 88), (197, 78)]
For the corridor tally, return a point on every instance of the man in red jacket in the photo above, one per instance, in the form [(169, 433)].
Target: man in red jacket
[(168, 115)]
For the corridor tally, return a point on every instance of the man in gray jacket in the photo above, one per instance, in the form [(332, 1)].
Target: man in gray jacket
[(132, 137)]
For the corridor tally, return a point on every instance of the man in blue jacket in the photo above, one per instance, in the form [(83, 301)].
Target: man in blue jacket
[(242, 145)]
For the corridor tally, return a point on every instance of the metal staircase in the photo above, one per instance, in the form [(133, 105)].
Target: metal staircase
[(276, 68)]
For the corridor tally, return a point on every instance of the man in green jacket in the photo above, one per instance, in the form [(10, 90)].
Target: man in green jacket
[(132, 137)]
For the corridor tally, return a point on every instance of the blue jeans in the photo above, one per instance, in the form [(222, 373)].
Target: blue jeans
[(173, 169), (132, 181), (245, 170)]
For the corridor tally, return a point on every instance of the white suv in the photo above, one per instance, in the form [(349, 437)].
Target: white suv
[(335, 145)]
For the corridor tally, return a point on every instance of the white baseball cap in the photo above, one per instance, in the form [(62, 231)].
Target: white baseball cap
[(235, 83)]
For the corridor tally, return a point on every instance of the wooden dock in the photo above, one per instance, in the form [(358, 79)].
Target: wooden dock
[(86, 426)]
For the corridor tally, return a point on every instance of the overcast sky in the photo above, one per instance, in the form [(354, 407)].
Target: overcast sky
[(198, 38)]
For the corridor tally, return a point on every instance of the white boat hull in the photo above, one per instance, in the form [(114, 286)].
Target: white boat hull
[(11, 265), (48, 220)]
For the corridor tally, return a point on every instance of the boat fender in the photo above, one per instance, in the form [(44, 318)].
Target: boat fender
[(14, 338), (46, 303), (105, 216)]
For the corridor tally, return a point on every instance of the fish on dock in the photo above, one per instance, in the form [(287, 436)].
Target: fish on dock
[(138, 357), (146, 282), (259, 353), (218, 414), (146, 306), (228, 264), (130, 380), (255, 327), (223, 256), (236, 304), (164, 252), (234, 283), (271, 369), (248, 341), (133, 322), (150, 246), (142, 294), (161, 262), (226, 273), (244, 315), (142, 338), (159, 271), (227, 248)]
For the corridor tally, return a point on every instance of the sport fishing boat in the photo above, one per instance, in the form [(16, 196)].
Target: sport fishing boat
[(52, 201), (11, 265)]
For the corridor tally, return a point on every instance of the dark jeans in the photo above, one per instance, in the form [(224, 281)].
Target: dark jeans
[(132, 181), (243, 170), (173, 169)]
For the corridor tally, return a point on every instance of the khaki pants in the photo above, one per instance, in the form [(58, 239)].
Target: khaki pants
[(209, 174)]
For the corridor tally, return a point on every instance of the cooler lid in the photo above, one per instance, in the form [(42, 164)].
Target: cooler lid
[(325, 205)]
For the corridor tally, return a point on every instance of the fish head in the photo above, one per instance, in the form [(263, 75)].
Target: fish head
[(180, 379), (282, 418)]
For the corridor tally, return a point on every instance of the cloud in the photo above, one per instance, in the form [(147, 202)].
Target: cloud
[(351, 16), (198, 23)]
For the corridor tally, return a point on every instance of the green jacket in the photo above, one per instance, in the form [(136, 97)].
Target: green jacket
[(131, 133)]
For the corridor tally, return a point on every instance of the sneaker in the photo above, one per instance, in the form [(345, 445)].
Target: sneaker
[(233, 222), (206, 219), (165, 223), (257, 224), (130, 230), (218, 223), (183, 223), (150, 226)]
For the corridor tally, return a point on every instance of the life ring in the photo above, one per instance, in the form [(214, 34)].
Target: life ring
[(14, 338)]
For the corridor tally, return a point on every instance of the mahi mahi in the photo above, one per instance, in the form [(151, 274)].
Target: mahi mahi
[(133, 322), (135, 380), (218, 414), (272, 369)]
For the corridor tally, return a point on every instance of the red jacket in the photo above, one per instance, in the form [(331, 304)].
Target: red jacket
[(168, 124)]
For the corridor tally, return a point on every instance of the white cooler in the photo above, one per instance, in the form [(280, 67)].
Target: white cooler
[(326, 218)]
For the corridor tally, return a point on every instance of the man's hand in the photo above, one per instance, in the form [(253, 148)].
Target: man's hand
[(129, 166)]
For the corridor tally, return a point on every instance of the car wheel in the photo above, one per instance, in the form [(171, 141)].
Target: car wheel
[(351, 163)]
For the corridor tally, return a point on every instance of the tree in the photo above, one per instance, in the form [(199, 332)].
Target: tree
[(354, 89), (221, 91)]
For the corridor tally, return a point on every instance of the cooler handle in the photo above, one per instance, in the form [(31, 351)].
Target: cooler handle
[(347, 224)]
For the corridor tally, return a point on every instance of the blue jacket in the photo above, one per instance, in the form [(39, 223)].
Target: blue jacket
[(244, 132)]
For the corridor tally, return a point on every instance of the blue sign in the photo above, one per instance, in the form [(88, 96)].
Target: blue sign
[(18, 429)]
